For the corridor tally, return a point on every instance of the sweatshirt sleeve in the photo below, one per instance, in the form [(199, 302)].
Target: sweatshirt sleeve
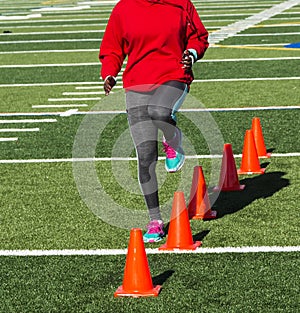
[(197, 35), (111, 53)]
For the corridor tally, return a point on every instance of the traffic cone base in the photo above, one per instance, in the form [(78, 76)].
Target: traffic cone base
[(136, 294), (267, 155), (208, 215), (137, 280), (235, 188), (241, 172), (194, 246)]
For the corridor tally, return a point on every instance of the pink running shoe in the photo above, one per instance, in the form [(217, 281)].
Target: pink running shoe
[(174, 160), (154, 232)]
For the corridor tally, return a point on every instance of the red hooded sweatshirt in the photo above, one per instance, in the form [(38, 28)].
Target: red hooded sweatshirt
[(152, 34)]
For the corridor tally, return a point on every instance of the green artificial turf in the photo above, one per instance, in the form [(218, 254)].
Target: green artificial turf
[(223, 52), (21, 29), (56, 139), (43, 208), (22, 98), (202, 95), (278, 30), (50, 58), (53, 22), (245, 69), (254, 283), (50, 46), (285, 38), (55, 36)]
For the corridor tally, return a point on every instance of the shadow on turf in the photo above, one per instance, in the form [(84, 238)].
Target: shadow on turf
[(271, 150), (162, 278), (261, 186), (200, 236)]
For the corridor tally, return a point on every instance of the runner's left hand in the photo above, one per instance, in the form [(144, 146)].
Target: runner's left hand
[(187, 60)]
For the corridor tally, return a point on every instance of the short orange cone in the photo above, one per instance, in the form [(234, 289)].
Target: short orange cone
[(228, 178), (137, 280), (250, 162), (179, 234), (259, 139), (199, 205)]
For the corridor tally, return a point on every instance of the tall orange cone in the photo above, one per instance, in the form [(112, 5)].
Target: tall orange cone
[(259, 139), (250, 162), (179, 234), (137, 280), (228, 178), (199, 205)]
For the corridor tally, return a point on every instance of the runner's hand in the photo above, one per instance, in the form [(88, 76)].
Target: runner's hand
[(187, 60), (109, 84)]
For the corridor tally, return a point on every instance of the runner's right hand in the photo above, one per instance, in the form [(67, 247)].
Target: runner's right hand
[(109, 84)]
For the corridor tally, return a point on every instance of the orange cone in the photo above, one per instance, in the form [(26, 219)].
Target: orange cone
[(199, 205), (137, 281), (259, 139), (250, 162), (180, 234), (229, 178)]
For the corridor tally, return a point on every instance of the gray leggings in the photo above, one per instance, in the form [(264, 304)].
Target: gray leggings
[(147, 112)]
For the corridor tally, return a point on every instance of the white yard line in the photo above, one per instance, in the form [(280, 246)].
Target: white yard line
[(98, 63), (49, 65), (48, 41), (112, 252), (83, 93), (244, 79), (53, 32), (74, 99), (30, 19), (283, 18), (196, 81), (54, 26), (28, 121), (281, 44), (4, 18), (49, 84), (17, 130), (261, 108), (87, 12), (68, 112), (290, 107), (98, 3), (291, 12), (59, 9), (276, 25), (45, 106), (267, 34), (97, 50), (95, 87), (8, 139), (249, 59), (220, 7), (217, 21), (49, 51), (126, 159), (32, 22)]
